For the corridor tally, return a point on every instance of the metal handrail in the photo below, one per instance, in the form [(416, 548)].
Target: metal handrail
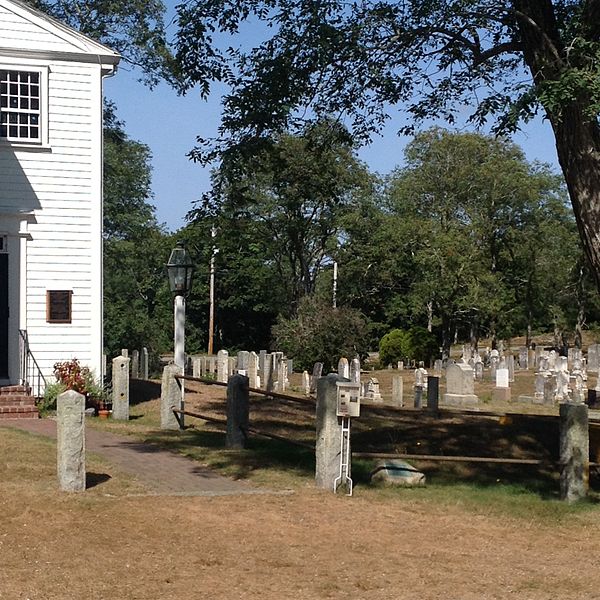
[(30, 374)]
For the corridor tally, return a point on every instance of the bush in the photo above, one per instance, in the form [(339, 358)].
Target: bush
[(52, 391), (415, 344), (321, 333)]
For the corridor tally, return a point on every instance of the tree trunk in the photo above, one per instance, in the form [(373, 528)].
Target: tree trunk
[(575, 127)]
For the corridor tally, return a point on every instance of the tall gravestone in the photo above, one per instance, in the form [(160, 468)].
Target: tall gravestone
[(135, 364), (144, 365), (306, 383), (574, 451), (355, 370), (222, 366), (70, 441), (253, 369), (344, 368), (120, 388), (316, 374), (593, 358), (397, 391)]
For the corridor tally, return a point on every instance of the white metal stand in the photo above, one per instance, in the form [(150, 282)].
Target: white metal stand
[(344, 457)]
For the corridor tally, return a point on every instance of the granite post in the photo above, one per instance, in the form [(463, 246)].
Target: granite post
[(144, 364), (170, 397), (238, 411), (222, 366), (574, 451), (70, 441), (135, 364), (329, 433), (120, 388)]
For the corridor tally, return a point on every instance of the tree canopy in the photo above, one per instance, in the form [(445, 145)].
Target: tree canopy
[(353, 60)]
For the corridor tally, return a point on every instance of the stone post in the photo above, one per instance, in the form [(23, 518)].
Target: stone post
[(574, 451), (433, 393), (170, 397), (144, 364), (329, 433), (253, 370), (238, 411), (397, 390), (125, 352), (70, 441), (306, 383), (120, 388)]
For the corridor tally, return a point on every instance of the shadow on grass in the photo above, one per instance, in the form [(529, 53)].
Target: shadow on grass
[(94, 479)]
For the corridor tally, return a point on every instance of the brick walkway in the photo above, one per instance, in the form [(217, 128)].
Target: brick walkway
[(163, 472)]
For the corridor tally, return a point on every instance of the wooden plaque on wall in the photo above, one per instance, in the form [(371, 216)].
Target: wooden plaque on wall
[(58, 306)]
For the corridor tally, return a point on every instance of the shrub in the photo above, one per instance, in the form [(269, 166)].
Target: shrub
[(321, 333), (52, 391), (417, 343)]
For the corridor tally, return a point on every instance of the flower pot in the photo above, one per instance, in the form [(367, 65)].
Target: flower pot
[(103, 413)]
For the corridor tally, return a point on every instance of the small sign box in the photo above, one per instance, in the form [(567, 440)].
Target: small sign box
[(348, 399)]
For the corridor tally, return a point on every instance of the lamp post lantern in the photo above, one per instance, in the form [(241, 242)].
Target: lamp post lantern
[(179, 270)]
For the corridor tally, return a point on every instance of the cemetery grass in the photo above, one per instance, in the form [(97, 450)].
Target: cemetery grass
[(116, 541), (518, 491)]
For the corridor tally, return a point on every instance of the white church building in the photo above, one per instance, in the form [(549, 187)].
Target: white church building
[(51, 81)]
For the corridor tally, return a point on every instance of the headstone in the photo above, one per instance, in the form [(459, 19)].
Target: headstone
[(501, 393), (197, 366), (510, 364), (125, 352), (262, 362), (552, 360), (70, 441), (355, 370), (459, 385), (574, 451), (222, 366), (306, 383), (238, 412), (400, 365), (170, 397), (478, 371), (135, 364), (397, 390), (343, 368), (281, 372), (120, 388), (144, 364), (437, 367), (316, 375), (231, 365), (242, 360), (494, 362), (523, 357), (373, 392), (253, 370), (421, 376), (593, 358)]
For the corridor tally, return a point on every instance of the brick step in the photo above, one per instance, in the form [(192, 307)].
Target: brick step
[(19, 412), (14, 390), (17, 401)]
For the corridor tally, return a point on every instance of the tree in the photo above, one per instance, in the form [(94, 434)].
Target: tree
[(285, 196), (506, 59), (136, 300), (134, 28), (475, 203)]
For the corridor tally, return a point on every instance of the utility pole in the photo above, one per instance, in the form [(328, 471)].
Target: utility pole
[(211, 314), (335, 284)]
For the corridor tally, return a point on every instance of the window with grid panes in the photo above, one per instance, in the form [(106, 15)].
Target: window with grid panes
[(20, 104)]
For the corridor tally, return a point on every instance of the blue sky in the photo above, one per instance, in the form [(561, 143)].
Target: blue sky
[(169, 124)]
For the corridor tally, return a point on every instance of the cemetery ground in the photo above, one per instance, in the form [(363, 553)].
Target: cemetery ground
[(476, 531)]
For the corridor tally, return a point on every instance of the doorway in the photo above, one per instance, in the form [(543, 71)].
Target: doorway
[(3, 316)]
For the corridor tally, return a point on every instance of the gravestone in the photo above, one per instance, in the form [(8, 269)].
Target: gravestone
[(355, 370), (372, 391), (343, 368), (222, 366), (510, 364), (593, 358), (262, 362), (144, 364), (574, 451), (306, 383), (70, 441), (242, 360), (135, 364), (433, 393), (501, 392), (316, 375), (459, 386), (523, 357), (253, 370), (397, 391), (197, 366), (437, 367)]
